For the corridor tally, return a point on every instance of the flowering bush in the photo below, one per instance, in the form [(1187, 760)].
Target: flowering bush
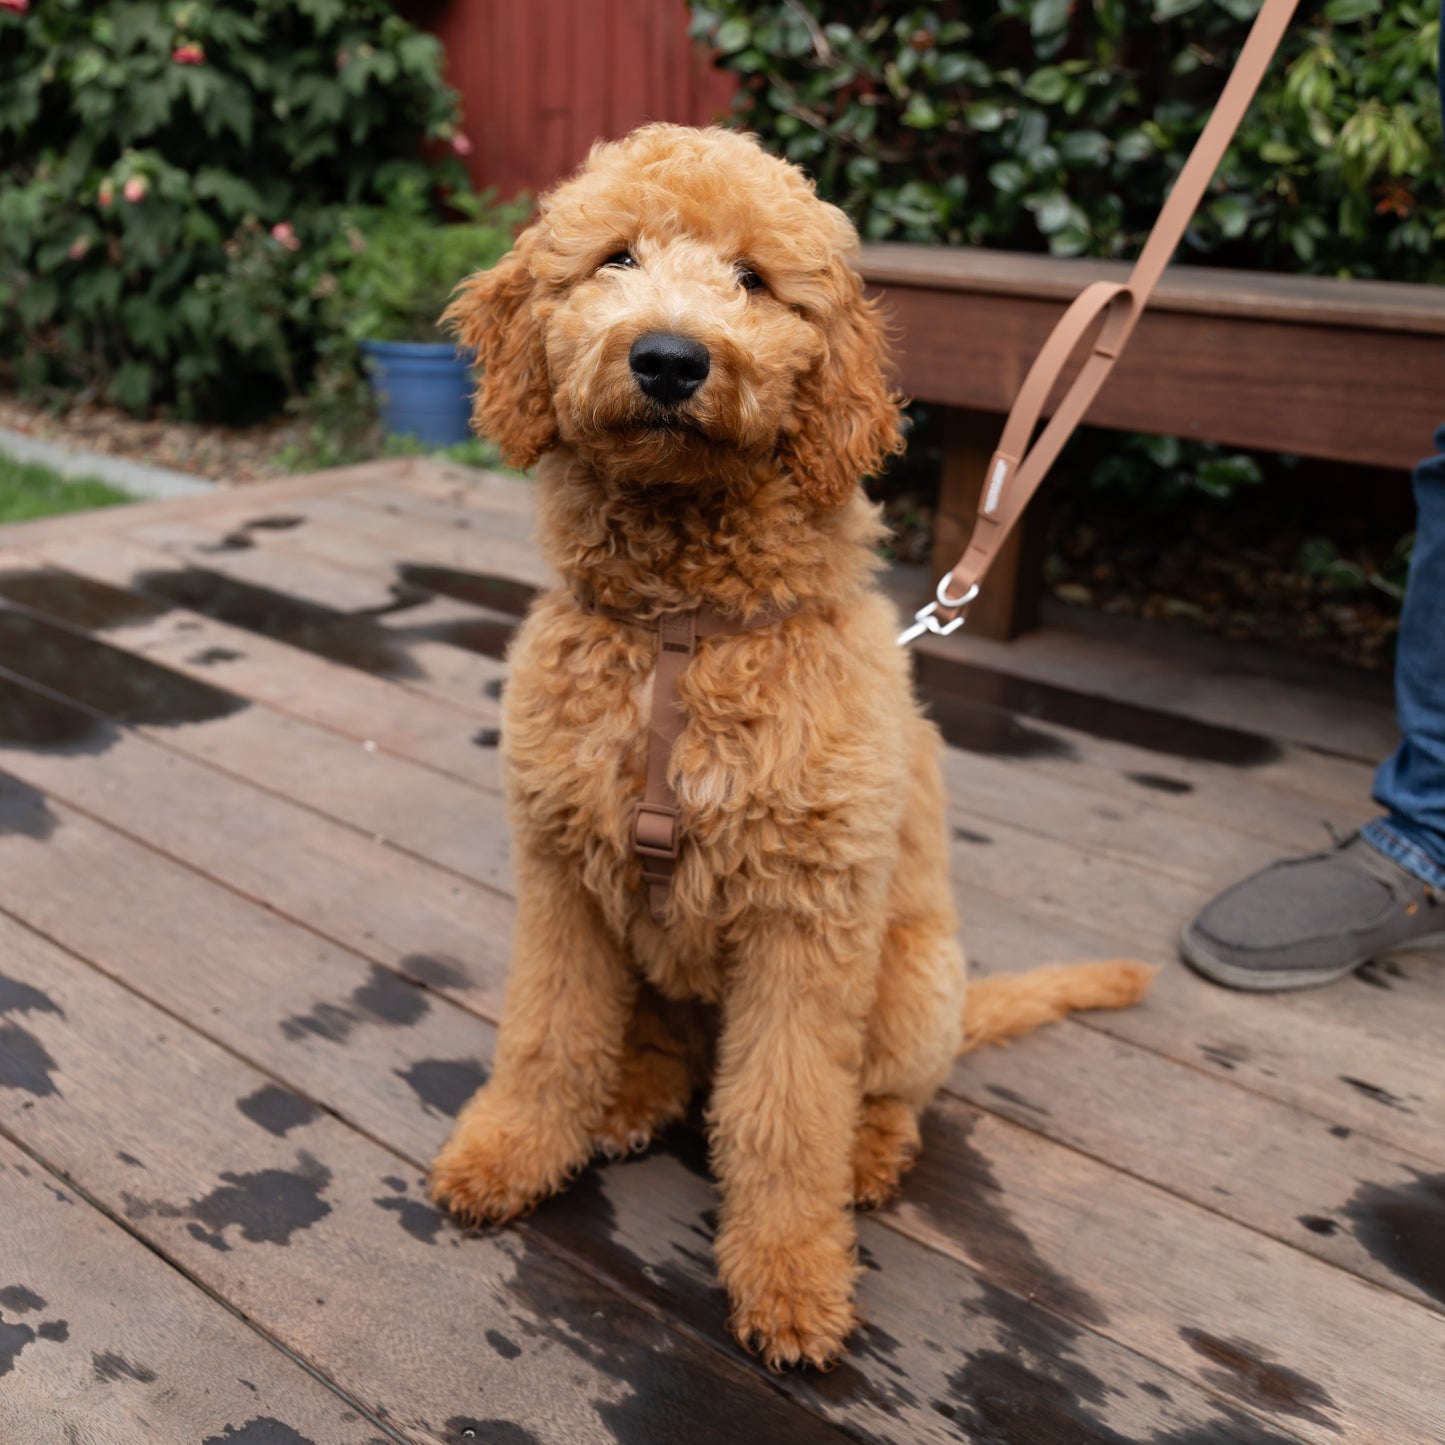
[(1027, 124), (173, 175)]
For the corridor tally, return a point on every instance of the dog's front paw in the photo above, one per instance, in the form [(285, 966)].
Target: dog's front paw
[(792, 1306), (487, 1173)]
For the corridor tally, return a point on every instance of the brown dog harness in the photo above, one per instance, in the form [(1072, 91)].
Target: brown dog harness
[(656, 835)]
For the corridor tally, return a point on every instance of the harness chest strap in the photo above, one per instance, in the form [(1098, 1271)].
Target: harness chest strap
[(656, 835)]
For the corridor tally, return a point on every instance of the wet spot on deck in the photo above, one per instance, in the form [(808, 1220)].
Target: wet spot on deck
[(1340, 1131), (13, 1339), (502, 1345), (436, 969), (1009, 1096), (278, 523), (340, 637), (481, 589), (955, 1185), (1403, 1228), (231, 542), (419, 1220), (128, 1159), (265, 1207), (25, 1063), (444, 1085), (1160, 783), (383, 998), (211, 656), (1227, 1056), (1318, 1224), (1377, 1094), (113, 1366), (988, 731), (261, 1430), (461, 1430), (481, 635), (277, 1110), (1248, 1373), (967, 835), (23, 998), (19, 1300), (393, 1183), (56, 1331), (487, 737), (126, 688), (90, 606), (495, 688), (1103, 717), (24, 812)]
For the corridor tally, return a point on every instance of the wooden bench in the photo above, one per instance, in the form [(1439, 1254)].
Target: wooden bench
[(1346, 370)]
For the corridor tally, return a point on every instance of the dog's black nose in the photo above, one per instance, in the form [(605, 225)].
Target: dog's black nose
[(668, 367)]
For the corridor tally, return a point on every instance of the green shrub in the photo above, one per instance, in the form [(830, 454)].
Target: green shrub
[(173, 175), (1058, 124)]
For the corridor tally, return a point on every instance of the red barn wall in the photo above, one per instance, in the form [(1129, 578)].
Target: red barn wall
[(540, 80)]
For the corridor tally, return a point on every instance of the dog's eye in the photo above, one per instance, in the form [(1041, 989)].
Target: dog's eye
[(749, 279), (618, 258)]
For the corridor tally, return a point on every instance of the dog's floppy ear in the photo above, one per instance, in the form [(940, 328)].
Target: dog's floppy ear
[(845, 416), (492, 313)]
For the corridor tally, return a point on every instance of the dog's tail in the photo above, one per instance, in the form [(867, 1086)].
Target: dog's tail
[(1006, 1005)]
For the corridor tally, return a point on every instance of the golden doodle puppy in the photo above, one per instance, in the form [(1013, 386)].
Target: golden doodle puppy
[(679, 337)]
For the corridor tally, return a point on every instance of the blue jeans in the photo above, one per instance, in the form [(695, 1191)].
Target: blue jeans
[(1411, 784)]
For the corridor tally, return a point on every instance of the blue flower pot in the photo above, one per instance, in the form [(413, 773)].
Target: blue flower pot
[(422, 388)]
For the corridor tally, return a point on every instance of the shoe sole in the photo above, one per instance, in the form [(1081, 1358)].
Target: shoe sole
[(1261, 980)]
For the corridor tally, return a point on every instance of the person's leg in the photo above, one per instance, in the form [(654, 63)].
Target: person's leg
[(1411, 784), (1306, 921)]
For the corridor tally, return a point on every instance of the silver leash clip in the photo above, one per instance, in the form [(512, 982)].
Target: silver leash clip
[(924, 619)]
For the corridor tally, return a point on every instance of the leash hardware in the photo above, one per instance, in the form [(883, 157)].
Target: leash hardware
[(924, 619)]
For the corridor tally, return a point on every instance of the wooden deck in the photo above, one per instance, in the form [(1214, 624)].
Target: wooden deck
[(254, 915)]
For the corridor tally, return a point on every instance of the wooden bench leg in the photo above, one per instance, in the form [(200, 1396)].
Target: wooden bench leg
[(1009, 601)]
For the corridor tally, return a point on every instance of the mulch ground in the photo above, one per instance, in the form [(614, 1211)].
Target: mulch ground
[(224, 454)]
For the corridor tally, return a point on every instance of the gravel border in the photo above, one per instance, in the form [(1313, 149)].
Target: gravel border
[(138, 479)]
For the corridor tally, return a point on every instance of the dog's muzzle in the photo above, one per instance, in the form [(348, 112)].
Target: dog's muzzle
[(668, 367)]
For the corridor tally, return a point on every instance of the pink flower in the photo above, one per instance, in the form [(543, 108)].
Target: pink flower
[(188, 55), (461, 145), (105, 196), (78, 247), (18, 6), (285, 233), (135, 189)]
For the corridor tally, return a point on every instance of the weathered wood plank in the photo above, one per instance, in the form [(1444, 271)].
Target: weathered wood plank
[(255, 590), (322, 1239), (430, 731), (944, 1351), (1306, 300), (102, 1342), (384, 904), (1361, 1058)]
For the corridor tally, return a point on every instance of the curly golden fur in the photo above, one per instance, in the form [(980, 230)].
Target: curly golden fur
[(807, 966)]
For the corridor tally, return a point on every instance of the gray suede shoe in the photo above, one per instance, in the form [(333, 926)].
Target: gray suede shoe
[(1307, 921)]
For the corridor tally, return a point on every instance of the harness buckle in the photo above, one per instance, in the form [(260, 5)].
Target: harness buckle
[(655, 837)]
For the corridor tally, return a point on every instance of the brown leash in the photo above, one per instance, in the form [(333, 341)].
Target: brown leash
[(1015, 470), (656, 835)]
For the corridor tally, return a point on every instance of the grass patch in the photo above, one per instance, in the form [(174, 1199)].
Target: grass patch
[(28, 490)]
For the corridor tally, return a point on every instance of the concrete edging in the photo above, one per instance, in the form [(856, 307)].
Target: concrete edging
[(138, 479)]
